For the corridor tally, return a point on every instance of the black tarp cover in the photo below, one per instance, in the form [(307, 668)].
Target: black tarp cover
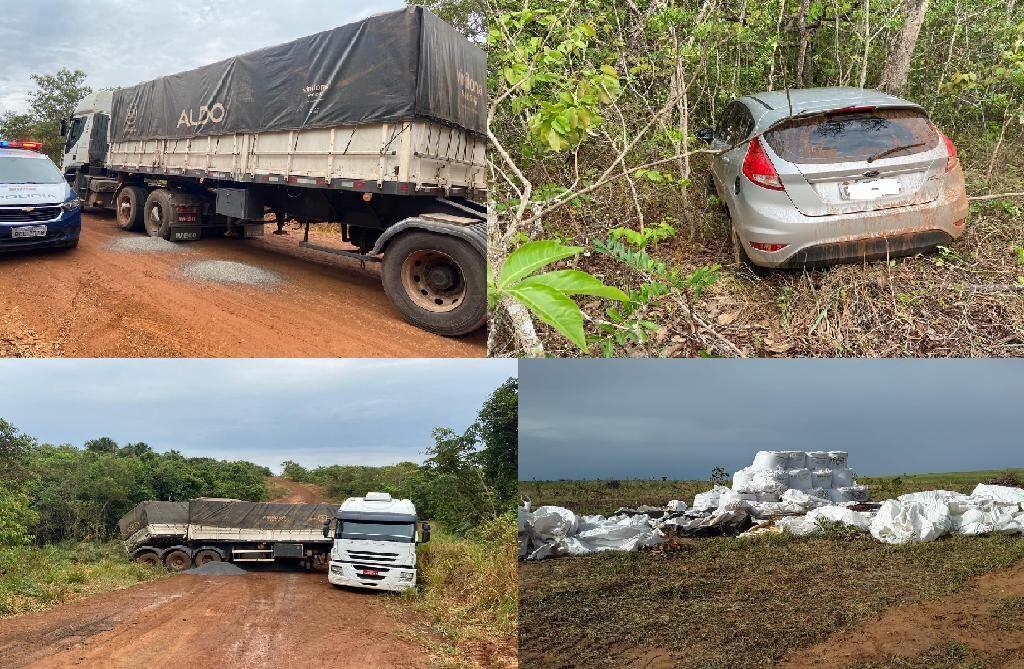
[(259, 515), (152, 513), (394, 66)]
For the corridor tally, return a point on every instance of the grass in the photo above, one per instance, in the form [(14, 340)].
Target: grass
[(34, 578), (742, 603), (967, 301), (468, 592)]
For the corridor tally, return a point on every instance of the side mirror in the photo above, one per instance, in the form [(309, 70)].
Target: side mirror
[(63, 127), (327, 530), (706, 135), (425, 533)]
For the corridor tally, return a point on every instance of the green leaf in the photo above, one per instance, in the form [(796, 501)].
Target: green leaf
[(553, 308), (530, 257), (576, 282)]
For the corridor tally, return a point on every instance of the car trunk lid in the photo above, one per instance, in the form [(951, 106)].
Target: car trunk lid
[(860, 160)]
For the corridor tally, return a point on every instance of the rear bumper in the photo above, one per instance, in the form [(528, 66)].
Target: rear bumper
[(59, 233), (827, 240)]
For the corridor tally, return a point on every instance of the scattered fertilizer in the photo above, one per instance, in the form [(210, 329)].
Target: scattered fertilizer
[(138, 244), (228, 271), (217, 569)]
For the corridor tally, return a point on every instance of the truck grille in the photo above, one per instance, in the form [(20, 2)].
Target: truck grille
[(28, 214), (370, 556)]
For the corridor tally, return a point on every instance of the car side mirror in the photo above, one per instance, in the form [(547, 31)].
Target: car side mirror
[(425, 533), (706, 135), (327, 529), (63, 127)]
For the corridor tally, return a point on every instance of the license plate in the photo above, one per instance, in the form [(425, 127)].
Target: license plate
[(28, 231), (371, 572), (871, 190), (186, 236)]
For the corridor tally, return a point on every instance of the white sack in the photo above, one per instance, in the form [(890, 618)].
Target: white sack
[(553, 522), (900, 522), (839, 458), (818, 460), (821, 479), (807, 525), (677, 505), (770, 460), (842, 477), (1001, 493), (800, 479), (796, 459), (752, 480), (626, 536), (707, 501)]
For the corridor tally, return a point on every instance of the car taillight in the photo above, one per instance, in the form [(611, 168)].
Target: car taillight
[(757, 167), (770, 248), (951, 161)]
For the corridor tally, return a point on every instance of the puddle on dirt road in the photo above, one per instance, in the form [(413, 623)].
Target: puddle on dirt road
[(231, 272)]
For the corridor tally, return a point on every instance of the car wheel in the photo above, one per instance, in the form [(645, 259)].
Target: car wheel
[(437, 282), (73, 244)]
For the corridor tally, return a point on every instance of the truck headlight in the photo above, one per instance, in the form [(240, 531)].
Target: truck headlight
[(74, 204), (407, 576), (337, 569)]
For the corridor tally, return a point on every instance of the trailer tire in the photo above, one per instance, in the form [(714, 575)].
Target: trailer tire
[(437, 282), (151, 559), (128, 207), (159, 213), (206, 556), (177, 560)]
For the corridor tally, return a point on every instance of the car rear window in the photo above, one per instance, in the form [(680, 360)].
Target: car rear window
[(28, 170), (853, 137)]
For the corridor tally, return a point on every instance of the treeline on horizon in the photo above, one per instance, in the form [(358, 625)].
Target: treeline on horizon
[(51, 493)]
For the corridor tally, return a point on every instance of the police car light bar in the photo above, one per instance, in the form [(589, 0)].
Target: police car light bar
[(19, 144)]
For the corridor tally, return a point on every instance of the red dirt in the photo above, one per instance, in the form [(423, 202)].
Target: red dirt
[(295, 492), (262, 620), (907, 631), (98, 302)]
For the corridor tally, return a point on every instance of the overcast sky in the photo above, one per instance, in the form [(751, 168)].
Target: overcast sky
[(642, 418), (125, 42), (316, 412)]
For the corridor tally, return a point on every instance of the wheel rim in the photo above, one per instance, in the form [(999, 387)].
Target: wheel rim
[(433, 281), (149, 559), (124, 208), (178, 561), (206, 557)]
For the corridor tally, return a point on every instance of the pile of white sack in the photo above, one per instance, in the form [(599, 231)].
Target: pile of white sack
[(774, 494)]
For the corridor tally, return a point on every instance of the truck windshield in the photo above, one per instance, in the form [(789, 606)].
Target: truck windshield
[(367, 531), (29, 170)]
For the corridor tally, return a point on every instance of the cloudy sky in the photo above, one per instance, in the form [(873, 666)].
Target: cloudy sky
[(642, 419), (124, 42), (316, 412)]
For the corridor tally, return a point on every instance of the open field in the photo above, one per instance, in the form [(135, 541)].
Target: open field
[(774, 600), (119, 295)]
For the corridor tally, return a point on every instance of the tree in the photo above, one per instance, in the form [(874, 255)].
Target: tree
[(54, 100), (467, 16), (17, 126), (101, 445), (897, 65), (497, 428)]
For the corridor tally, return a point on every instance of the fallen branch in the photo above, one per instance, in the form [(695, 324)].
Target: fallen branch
[(999, 196)]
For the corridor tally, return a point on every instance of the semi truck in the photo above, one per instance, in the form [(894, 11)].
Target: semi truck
[(366, 542), (378, 126), (375, 540)]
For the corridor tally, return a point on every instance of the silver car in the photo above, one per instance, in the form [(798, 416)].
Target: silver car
[(830, 175)]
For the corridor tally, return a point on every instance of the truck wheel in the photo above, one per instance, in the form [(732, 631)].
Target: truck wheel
[(437, 282), (206, 556), (159, 213), (177, 560), (150, 559), (129, 208)]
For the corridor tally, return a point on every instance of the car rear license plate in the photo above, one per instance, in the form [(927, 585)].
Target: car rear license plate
[(371, 572), (28, 231), (871, 190)]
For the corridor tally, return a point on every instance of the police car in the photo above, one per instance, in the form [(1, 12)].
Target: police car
[(38, 209)]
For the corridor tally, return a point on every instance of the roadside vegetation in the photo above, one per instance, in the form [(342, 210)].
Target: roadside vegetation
[(607, 238), (747, 602)]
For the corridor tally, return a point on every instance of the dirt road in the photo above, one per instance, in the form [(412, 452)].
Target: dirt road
[(101, 300), (970, 617), (263, 620), (293, 492)]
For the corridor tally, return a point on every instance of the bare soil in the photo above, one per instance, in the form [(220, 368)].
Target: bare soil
[(103, 301), (907, 631), (287, 491), (263, 620)]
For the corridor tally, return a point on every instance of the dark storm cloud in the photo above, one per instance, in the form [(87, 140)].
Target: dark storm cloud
[(124, 42), (316, 412), (652, 418)]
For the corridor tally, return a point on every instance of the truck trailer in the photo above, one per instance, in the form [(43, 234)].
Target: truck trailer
[(181, 535), (378, 125)]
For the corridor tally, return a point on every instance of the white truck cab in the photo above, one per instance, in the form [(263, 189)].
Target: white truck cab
[(86, 134), (375, 541)]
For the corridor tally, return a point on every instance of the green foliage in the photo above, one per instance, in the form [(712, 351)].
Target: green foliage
[(647, 236), (54, 100), (548, 296), (719, 476), (58, 493)]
